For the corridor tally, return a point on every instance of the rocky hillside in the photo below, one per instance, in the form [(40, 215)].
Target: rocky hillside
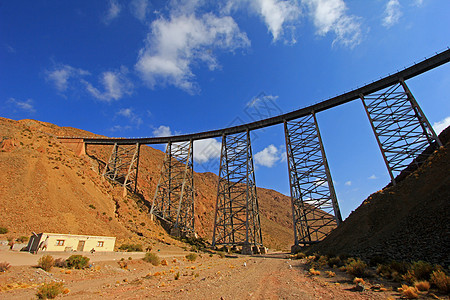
[(409, 221), (46, 187)]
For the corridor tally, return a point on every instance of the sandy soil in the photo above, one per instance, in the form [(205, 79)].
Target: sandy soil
[(208, 277)]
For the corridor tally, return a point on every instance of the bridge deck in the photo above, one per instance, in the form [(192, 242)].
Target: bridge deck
[(407, 73)]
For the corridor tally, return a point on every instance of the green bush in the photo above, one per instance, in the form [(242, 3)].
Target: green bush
[(3, 230), (131, 247), (422, 270), (50, 290), (152, 258), (22, 239), (334, 261), (77, 262), (191, 256), (46, 262), (441, 281), (356, 267)]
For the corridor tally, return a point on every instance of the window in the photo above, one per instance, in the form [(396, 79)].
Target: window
[(59, 242), (99, 244)]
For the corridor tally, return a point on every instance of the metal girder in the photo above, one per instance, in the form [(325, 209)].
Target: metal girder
[(315, 209), (400, 127), (174, 195), (410, 72), (237, 221), (123, 166)]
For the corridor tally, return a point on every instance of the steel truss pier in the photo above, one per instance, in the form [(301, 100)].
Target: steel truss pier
[(174, 197), (123, 166), (237, 220), (400, 127), (315, 209)]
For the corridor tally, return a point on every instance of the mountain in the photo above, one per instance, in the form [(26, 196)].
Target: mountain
[(47, 187), (408, 221)]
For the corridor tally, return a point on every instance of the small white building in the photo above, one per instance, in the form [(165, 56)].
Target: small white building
[(69, 242)]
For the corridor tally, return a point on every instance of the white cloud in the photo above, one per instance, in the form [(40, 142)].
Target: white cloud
[(26, 105), (348, 183), (330, 16), (140, 8), (175, 44), (61, 74), (205, 150), (115, 85), (441, 125), (373, 177), (268, 157), (130, 115), (277, 13), (392, 13), (113, 11), (162, 131)]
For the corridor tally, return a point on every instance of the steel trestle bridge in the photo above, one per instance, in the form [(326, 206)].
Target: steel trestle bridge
[(400, 127)]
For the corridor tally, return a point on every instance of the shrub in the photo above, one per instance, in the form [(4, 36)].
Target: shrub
[(356, 267), (131, 247), (441, 281), (357, 280), (123, 264), (314, 272), (330, 274), (46, 262), (177, 276), (152, 258), (422, 286), (4, 266), (22, 239), (409, 292), (298, 255), (221, 254), (77, 262), (50, 290), (3, 230), (334, 261), (422, 270), (92, 206), (191, 256)]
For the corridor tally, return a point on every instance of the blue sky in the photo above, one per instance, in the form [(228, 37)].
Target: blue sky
[(146, 68)]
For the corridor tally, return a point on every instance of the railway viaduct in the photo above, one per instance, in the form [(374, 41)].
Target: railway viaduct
[(400, 127)]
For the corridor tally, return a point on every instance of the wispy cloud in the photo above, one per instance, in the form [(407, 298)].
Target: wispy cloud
[(130, 115), (330, 16), (26, 105), (113, 11), (140, 9), (268, 157), (348, 183), (120, 128), (175, 43), (373, 177), (441, 125), (418, 2), (162, 131), (115, 85), (392, 13), (60, 75)]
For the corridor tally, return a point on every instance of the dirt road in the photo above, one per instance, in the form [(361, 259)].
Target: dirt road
[(208, 277)]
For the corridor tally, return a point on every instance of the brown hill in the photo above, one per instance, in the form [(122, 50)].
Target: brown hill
[(409, 221), (46, 187)]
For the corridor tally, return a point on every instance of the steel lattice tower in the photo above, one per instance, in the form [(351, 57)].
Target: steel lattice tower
[(315, 209), (237, 220), (174, 196), (123, 166), (400, 127)]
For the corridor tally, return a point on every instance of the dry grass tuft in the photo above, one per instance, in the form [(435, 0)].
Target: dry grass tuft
[(330, 274), (4, 266), (358, 280), (409, 292), (422, 286), (441, 281), (46, 262)]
